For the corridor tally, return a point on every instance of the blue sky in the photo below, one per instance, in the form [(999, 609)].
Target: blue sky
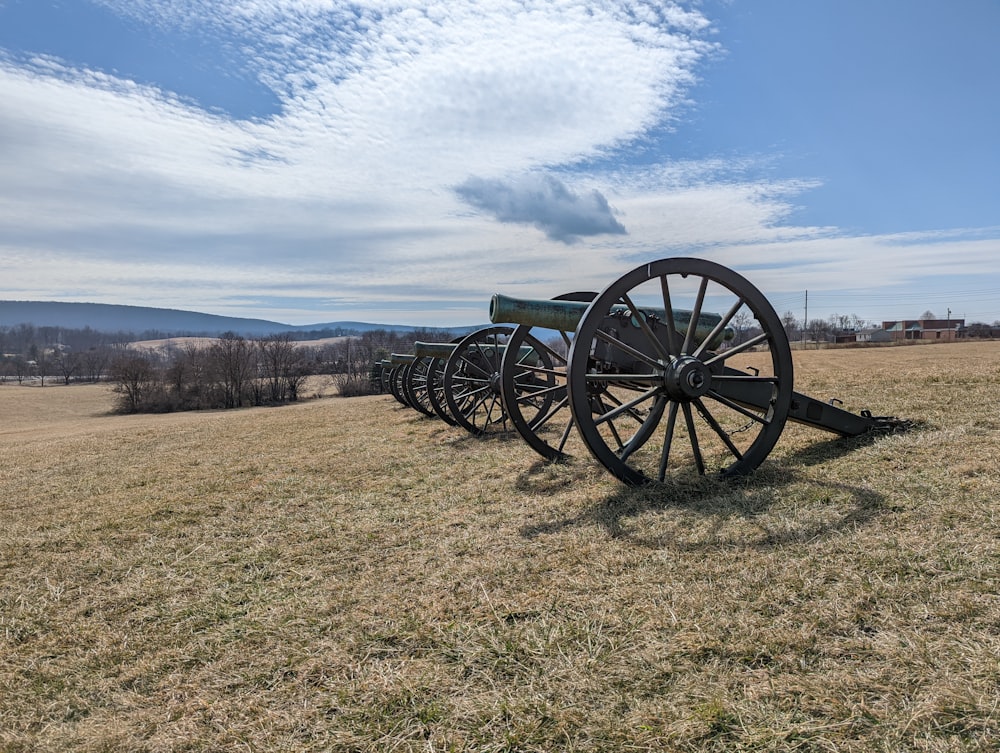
[(399, 161)]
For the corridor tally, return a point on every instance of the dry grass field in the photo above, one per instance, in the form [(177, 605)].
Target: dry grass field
[(346, 575)]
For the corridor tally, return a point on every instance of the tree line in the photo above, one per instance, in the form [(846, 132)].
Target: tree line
[(235, 372), (29, 352), (232, 371)]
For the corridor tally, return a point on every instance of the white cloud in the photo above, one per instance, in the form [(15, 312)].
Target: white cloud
[(118, 192)]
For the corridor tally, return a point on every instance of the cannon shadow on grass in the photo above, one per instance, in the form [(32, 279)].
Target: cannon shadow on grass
[(718, 513), (708, 512), (838, 447)]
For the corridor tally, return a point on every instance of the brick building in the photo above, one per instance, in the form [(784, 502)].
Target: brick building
[(925, 329)]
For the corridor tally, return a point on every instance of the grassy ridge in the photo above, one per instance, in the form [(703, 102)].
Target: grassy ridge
[(346, 575)]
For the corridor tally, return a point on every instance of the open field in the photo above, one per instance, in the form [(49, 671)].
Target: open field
[(345, 575)]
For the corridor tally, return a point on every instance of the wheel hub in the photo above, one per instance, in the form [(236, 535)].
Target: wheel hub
[(687, 378)]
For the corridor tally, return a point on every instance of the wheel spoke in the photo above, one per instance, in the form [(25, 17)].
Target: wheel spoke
[(625, 348), (492, 416), (638, 439), (623, 407), (669, 309), (722, 355), (540, 421), (668, 440), (611, 424), (618, 402), (695, 315), (488, 357), (565, 435), (526, 397), (717, 428), (473, 394), (693, 435), (744, 378), (475, 380), (475, 366), (640, 319), (718, 329), (543, 349), (526, 370), (623, 379), (739, 408)]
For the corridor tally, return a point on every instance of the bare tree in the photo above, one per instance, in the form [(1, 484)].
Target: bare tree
[(188, 377), (283, 367), (235, 359), (135, 377), (94, 362), (41, 360), (19, 366), (791, 325), (741, 323), (840, 322), (67, 363), (818, 330)]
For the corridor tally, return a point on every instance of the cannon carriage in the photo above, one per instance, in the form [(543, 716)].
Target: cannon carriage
[(656, 386)]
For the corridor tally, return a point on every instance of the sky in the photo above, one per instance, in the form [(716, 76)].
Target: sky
[(399, 161)]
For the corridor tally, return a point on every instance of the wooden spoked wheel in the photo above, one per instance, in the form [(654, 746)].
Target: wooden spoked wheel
[(529, 384), (416, 386), (657, 389), (472, 381), (435, 391), (395, 383)]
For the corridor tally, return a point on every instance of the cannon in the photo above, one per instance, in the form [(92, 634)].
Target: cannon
[(458, 381), (430, 378), (546, 431), (560, 315), (654, 389), (417, 380), (398, 363), (384, 371), (471, 382)]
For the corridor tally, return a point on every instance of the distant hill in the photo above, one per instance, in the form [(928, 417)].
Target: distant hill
[(104, 317)]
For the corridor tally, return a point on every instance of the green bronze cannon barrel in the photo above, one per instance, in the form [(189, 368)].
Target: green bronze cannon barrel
[(433, 350), (565, 315), (401, 359), (558, 315), (444, 350)]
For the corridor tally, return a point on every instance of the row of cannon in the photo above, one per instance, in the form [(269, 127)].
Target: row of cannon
[(641, 374)]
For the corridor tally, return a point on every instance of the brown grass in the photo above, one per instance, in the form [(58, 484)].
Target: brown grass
[(345, 575)]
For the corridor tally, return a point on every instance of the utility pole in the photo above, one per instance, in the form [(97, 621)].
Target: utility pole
[(805, 320)]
